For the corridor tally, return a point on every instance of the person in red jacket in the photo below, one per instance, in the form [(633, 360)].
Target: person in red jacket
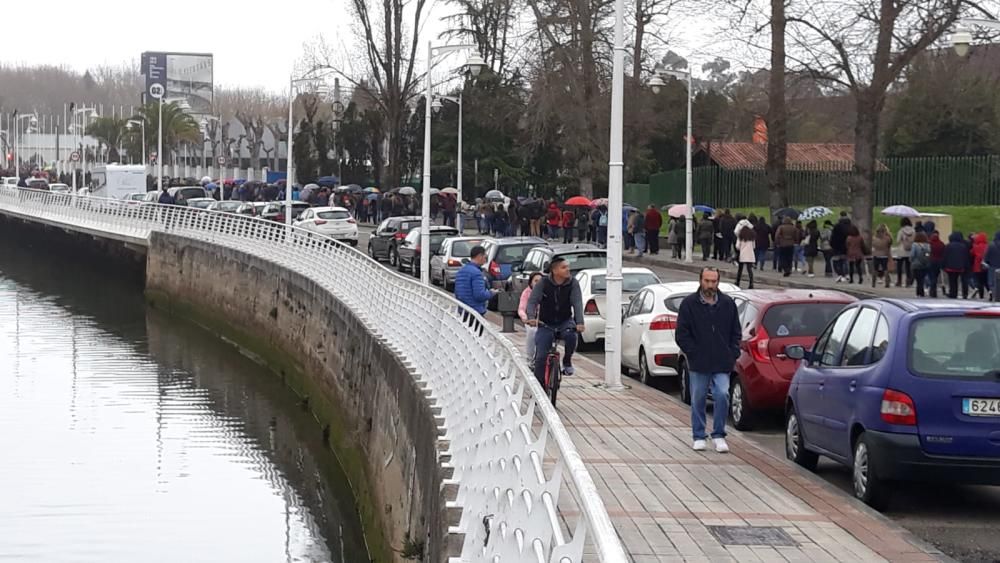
[(652, 223), (979, 247), (553, 218), (937, 261), (568, 220)]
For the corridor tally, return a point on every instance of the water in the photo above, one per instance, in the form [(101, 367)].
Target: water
[(126, 435)]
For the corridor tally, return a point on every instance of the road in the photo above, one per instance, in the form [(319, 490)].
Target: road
[(960, 520)]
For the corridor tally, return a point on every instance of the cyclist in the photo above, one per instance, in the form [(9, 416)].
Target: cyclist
[(556, 306)]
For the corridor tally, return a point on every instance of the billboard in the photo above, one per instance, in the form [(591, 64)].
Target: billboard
[(184, 75)]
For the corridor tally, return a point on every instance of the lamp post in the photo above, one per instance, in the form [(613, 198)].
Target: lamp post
[(961, 38), (293, 84), (141, 122), (436, 106), (32, 121), (656, 83), (475, 65)]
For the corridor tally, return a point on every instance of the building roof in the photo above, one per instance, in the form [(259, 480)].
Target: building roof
[(818, 156)]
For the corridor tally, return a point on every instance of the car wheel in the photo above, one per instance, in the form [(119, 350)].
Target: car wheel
[(393, 257), (739, 406), (795, 445), (414, 267), (685, 381), (644, 375), (868, 488)]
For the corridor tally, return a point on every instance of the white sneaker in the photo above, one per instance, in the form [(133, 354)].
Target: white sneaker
[(810, 275), (720, 445), (840, 279), (699, 445)]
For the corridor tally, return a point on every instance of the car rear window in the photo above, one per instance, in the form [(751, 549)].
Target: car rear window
[(438, 238), (586, 260), (333, 215), (800, 319), (463, 248), (673, 303), (513, 253), (955, 346), (630, 282), (189, 193)]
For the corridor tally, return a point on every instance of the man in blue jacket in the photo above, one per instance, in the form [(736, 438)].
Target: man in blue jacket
[(708, 332), (470, 285)]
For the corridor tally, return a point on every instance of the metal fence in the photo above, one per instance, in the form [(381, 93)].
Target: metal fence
[(916, 182), (505, 443)]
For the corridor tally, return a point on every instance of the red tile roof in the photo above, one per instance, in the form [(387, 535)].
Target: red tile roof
[(818, 156)]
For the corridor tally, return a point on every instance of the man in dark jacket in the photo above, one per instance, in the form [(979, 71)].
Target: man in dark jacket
[(651, 224), (555, 307), (991, 263), (708, 332), (956, 263), (838, 245), (727, 228)]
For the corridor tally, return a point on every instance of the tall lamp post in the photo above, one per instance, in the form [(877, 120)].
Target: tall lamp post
[(474, 64), (436, 106), (32, 122), (656, 83), (141, 122)]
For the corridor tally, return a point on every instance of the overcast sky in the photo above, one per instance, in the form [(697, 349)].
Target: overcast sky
[(255, 43)]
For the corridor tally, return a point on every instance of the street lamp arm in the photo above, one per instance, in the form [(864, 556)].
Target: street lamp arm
[(452, 99), (980, 22)]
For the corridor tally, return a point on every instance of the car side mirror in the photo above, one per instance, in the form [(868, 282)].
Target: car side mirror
[(625, 307), (796, 352)]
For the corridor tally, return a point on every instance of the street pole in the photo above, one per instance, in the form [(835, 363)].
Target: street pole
[(145, 158), (613, 315), (425, 188), (159, 146), (290, 167), (689, 197), (458, 216)]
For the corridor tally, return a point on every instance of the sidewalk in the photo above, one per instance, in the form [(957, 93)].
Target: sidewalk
[(670, 503), (772, 278)]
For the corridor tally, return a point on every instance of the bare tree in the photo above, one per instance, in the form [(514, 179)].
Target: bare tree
[(280, 135), (863, 47)]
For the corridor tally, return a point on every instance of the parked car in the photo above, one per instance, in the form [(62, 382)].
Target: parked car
[(9, 181), (503, 255), (334, 222), (200, 202), (182, 194), (454, 253), (580, 257), (901, 391), (151, 197), (37, 183), (594, 286), (232, 206), (275, 210), (382, 243), (408, 251), (773, 319), (60, 188), (648, 325)]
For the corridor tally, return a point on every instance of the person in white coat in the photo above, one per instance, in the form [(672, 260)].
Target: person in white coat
[(746, 242)]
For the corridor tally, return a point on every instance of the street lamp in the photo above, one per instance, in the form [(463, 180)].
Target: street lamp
[(141, 122), (474, 64), (961, 38), (293, 84), (32, 122), (436, 106), (656, 83)]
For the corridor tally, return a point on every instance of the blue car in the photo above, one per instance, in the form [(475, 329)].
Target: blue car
[(901, 391)]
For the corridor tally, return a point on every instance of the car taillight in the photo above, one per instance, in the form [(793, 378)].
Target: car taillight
[(898, 408), (494, 269), (663, 322), (351, 220), (320, 222), (759, 346), (984, 313), (452, 263), (279, 218), (591, 308), (399, 236)]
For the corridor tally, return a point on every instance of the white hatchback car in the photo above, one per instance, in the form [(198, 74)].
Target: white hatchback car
[(648, 325), (334, 222), (594, 286)]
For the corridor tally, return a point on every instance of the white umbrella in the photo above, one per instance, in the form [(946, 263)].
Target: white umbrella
[(494, 195), (407, 190), (450, 191), (679, 210), (815, 213), (900, 211)]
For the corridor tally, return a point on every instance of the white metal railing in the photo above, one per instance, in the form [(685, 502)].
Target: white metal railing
[(499, 428)]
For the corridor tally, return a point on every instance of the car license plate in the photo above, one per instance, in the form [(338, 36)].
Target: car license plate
[(981, 407)]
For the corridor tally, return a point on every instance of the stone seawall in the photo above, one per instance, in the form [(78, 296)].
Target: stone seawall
[(371, 410)]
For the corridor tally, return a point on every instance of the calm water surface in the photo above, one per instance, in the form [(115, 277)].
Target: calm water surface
[(126, 435)]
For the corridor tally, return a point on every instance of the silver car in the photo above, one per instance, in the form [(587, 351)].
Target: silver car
[(454, 253)]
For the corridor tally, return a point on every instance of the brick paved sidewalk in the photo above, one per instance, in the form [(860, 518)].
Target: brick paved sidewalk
[(665, 498)]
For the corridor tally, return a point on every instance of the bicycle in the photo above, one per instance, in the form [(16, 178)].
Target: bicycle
[(553, 366)]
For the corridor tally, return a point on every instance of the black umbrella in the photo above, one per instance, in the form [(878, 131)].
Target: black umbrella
[(787, 212)]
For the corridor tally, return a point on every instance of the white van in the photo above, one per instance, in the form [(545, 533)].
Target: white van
[(117, 181)]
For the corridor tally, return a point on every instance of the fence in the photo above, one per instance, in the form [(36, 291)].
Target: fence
[(915, 182), (501, 432)]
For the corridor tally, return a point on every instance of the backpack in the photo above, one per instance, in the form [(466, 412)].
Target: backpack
[(603, 220), (920, 257)]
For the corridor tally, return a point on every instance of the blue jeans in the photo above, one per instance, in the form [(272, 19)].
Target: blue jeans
[(640, 242), (543, 343), (720, 399)]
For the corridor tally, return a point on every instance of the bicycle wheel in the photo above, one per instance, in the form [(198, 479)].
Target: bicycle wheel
[(552, 376)]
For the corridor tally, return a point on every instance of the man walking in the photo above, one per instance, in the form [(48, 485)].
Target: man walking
[(470, 285), (652, 222), (708, 332)]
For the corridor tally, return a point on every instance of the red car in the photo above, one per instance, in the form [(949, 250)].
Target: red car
[(773, 319)]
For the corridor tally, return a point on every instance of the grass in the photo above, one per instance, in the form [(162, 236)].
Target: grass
[(966, 219)]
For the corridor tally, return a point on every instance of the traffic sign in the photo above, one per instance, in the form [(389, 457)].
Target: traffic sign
[(221, 160), (156, 90), (74, 156)]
